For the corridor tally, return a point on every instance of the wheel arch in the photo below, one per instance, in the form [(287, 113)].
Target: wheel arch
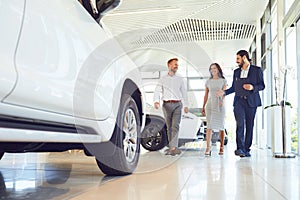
[(150, 117), (133, 90)]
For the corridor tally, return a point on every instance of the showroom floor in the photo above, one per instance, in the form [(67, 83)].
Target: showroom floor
[(71, 175)]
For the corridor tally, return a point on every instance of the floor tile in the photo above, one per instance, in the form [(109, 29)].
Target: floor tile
[(189, 176)]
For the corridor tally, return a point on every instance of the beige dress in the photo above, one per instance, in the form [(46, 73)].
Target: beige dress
[(214, 113)]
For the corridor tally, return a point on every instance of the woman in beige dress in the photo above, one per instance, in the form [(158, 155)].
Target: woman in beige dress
[(213, 107)]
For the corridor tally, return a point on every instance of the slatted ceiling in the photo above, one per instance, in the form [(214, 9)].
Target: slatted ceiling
[(194, 30), (135, 14), (138, 5), (155, 22)]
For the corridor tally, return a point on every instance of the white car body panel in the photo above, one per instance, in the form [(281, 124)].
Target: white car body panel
[(52, 51), (19, 135), (57, 43), (189, 124), (103, 128), (13, 10)]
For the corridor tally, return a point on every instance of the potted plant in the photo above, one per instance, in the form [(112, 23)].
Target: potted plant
[(280, 120), (286, 103)]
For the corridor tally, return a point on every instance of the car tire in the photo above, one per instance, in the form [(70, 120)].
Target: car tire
[(154, 136), (125, 141), (214, 137), (226, 138)]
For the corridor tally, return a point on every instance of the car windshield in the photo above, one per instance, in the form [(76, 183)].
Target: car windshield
[(98, 8)]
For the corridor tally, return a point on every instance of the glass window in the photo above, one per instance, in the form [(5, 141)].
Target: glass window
[(263, 44), (193, 72), (274, 24), (287, 5), (275, 97), (196, 84), (150, 75), (182, 68), (292, 83)]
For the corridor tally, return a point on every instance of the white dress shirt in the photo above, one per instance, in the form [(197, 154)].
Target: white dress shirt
[(244, 73), (171, 88)]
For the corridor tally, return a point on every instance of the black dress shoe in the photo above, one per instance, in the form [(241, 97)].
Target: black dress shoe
[(239, 152), (247, 154)]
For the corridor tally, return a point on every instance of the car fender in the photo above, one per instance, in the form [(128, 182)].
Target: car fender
[(11, 11)]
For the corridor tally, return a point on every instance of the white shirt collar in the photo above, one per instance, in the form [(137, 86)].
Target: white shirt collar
[(248, 67), (244, 73)]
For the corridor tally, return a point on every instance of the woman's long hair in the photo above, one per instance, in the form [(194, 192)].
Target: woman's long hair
[(220, 73)]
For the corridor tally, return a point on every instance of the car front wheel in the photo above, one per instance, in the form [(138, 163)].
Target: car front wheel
[(125, 140)]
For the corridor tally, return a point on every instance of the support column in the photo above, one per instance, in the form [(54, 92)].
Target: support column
[(298, 75), (286, 136), (260, 134), (280, 39)]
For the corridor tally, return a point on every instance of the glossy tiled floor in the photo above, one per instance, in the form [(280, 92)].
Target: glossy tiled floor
[(71, 175)]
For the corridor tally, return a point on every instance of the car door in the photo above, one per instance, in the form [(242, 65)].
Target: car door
[(57, 38), (11, 14)]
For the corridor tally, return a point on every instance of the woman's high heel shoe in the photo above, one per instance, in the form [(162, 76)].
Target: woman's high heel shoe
[(207, 152), (221, 151)]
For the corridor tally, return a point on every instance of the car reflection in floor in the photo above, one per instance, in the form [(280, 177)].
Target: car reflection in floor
[(36, 176)]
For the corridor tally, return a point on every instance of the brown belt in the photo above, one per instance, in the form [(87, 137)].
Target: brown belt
[(172, 101)]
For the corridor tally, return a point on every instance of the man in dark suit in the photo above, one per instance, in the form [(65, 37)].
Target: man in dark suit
[(247, 82)]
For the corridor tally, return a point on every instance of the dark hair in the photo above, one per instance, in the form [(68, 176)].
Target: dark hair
[(220, 74), (244, 53), (169, 61)]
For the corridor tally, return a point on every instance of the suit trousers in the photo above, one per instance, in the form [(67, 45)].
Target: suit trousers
[(244, 116), (172, 113)]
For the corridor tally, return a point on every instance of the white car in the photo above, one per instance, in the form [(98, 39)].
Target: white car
[(66, 84), (154, 136)]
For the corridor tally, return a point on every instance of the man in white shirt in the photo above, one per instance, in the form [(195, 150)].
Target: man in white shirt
[(174, 95)]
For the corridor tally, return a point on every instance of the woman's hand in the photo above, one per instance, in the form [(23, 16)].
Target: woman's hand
[(203, 111), (220, 103)]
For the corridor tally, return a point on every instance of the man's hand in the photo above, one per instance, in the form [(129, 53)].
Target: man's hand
[(186, 109), (156, 105), (220, 93), (248, 87)]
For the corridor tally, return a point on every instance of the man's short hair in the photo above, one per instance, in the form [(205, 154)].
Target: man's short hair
[(169, 61)]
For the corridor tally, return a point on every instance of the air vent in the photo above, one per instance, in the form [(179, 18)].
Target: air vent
[(191, 30)]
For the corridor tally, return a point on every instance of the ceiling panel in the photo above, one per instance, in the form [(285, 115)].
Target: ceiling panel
[(219, 27)]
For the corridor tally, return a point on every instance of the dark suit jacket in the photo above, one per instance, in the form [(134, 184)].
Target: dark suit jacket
[(255, 77)]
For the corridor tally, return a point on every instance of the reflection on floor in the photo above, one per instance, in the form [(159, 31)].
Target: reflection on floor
[(72, 175)]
